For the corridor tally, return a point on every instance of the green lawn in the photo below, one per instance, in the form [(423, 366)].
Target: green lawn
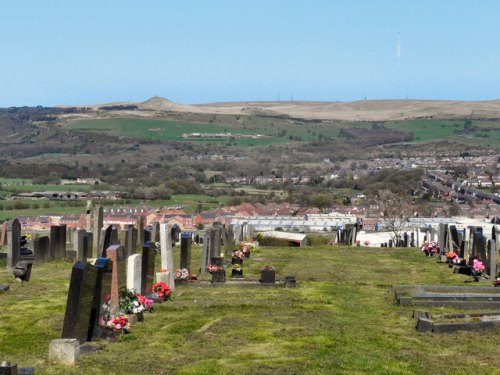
[(341, 319)]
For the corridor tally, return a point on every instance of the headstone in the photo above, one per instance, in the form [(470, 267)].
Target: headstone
[(443, 237), (97, 227), (119, 275), (492, 269), (3, 235), (102, 295), (205, 254), (129, 240), (186, 251), (79, 246), (230, 241), (64, 351), (77, 317), (454, 237), (58, 241), (148, 267), (140, 231), (478, 247), (167, 256), (134, 272), (41, 249), (106, 241), (114, 237), (13, 238), (155, 231)]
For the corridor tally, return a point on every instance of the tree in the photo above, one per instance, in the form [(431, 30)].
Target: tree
[(396, 210)]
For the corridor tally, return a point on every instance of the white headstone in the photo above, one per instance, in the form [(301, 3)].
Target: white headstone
[(134, 270), (167, 256)]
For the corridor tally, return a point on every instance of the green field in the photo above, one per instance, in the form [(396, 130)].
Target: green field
[(341, 319), (275, 131)]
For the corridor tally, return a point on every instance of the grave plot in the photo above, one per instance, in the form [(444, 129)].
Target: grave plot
[(449, 323), (465, 297)]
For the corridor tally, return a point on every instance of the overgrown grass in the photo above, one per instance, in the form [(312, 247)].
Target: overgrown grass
[(341, 319)]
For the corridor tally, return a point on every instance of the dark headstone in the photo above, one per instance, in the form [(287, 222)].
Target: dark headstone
[(148, 267), (155, 231), (106, 241), (217, 261), (129, 240), (77, 318), (41, 248), (13, 242), (102, 293), (22, 270), (290, 282), (186, 250), (114, 237), (58, 241), (78, 245), (140, 231)]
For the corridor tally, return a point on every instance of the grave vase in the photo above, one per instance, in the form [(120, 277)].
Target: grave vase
[(247, 254), (268, 276), (236, 260), (218, 277), (237, 274)]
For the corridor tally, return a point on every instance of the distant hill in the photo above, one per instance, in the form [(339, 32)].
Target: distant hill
[(366, 110)]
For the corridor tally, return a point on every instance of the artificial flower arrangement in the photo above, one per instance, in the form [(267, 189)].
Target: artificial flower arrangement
[(477, 269), (163, 291), (358, 242), (451, 255), (268, 268), (496, 282), (119, 324), (366, 242), (238, 254), (181, 274), (430, 248), (458, 261), (211, 268), (134, 303), (237, 267), (247, 246)]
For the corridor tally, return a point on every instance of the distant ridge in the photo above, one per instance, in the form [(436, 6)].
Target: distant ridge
[(365, 110)]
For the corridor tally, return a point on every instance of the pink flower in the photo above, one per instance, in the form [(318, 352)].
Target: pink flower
[(478, 265)]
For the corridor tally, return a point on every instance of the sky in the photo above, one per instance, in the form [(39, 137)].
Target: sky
[(70, 52)]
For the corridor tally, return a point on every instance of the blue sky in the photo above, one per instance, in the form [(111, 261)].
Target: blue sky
[(85, 52)]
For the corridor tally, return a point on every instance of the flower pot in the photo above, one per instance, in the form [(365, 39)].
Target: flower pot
[(236, 260), (268, 276), (247, 254), (179, 282), (219, 277), (237, 274)]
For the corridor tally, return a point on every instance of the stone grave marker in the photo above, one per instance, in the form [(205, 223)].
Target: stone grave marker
[(114, 236), (129, 240), (119, 275), (134, 272), (478, 247), (140, 231), (155, 231), (205, 254), (58, 241), (148, 268), (41, 249), (13, 242), (186, 250), (97, 227), (492, 268), (167, 256), (3, 235), (106, 241), (79, 246), (102, 295), (77, 317), (230, 241)]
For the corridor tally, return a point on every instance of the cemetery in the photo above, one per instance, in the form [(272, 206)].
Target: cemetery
[(103, 300)]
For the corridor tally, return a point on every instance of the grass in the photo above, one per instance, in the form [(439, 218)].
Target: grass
[(277, 131), (342, 318)]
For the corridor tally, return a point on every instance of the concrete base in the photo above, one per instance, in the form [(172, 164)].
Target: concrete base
[(64, 351)]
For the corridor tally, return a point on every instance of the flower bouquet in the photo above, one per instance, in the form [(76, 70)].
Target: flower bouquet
[(496, 282), (430, 248), (134, 303), (237, 257), (119, 324), (181, 274), (247, 247), (218, 273), (212, 268), (366, 243), (477, 269), (163, 291)]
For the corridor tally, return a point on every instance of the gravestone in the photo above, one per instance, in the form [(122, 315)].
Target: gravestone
[(186, 250), (167, 257), (116, 253), (97, 227), (217, 240), (155, 231), (13, 243), (492, 256), (134, 272), (205, 254), (230, 241), (41, 248), (129, 240), (140, 231), (77, 317), (106, 241), (148, 268), (79, 246), (58, 241), (102, 294), (454, 237), (114, 237), (3, 234), (478, 247)]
